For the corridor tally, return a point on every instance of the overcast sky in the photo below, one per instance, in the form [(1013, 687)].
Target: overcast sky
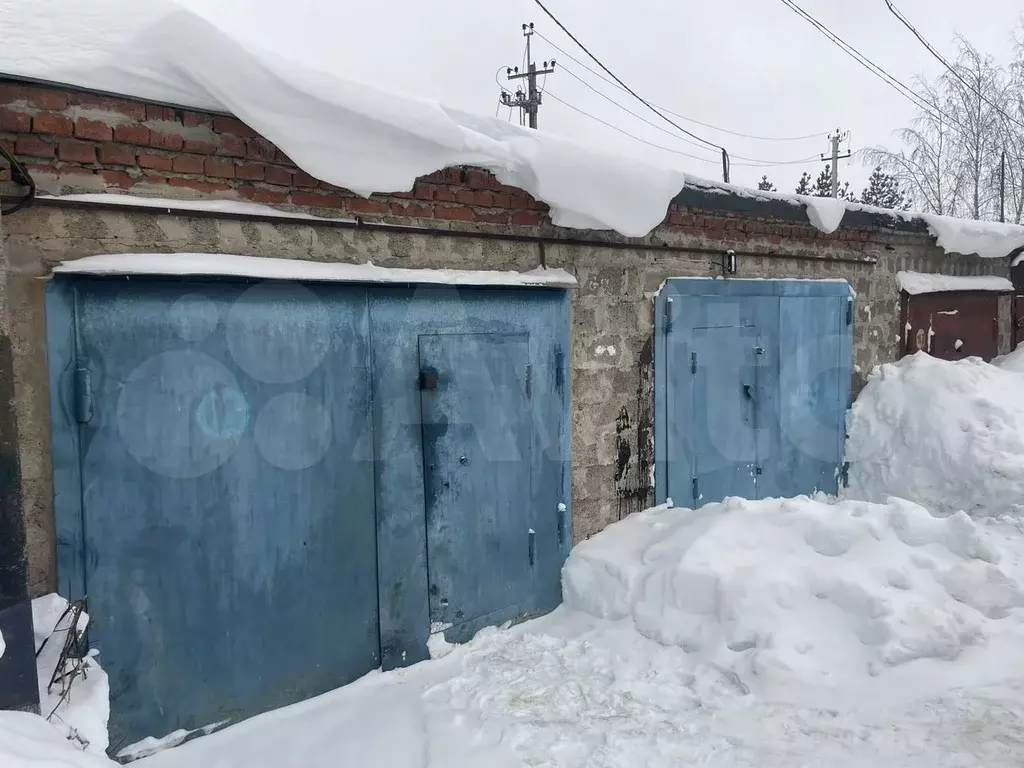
[(751, 66)]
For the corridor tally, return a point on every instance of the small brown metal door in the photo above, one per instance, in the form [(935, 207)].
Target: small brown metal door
[(952, 325)]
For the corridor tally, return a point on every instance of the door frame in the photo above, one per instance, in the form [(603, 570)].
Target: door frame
[(679, 289)]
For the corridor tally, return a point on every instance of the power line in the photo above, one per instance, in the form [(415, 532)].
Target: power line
[(873, 68), (725, 154), (657, 127), (669, 149), (611, 82), (932, 50)]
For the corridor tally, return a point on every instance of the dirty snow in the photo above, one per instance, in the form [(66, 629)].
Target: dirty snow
[(948, 435), (82, 715), (221, 264), (916, 283)]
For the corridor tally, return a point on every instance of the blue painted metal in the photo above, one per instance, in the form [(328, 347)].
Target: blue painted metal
[(228, 529), (477, 446), (752, 383)]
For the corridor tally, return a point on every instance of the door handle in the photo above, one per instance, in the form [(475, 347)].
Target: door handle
[(749, 392)]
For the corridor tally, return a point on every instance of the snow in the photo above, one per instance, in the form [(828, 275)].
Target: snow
[(82, 715), (3, 645), (1013, 361), (824, 213), (948, 435), (232, 207), (916, 283), (225, 265), (28, 741), (987, 239)]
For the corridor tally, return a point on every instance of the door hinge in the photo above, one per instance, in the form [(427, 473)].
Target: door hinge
[(83, 392), (696, 489), (693, 363), (529, 382), (532, 535), (849, 312), (668, 315)]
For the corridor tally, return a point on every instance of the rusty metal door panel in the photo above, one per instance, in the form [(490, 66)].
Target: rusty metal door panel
[(952, 325), (1018, 320)]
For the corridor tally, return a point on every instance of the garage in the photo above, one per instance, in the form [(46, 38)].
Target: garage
[(752, 383), (267, 488)]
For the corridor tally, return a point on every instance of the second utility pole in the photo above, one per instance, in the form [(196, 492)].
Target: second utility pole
[(836, 138), (529, 102)]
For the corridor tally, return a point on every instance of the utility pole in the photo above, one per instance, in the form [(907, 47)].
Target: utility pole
[(837, 137), (1002, 187), (530, 101)]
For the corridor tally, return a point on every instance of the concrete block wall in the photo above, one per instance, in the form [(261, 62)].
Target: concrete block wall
[(618, 278)]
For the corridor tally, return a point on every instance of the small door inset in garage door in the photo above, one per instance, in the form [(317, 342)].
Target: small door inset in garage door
[(475, 391)]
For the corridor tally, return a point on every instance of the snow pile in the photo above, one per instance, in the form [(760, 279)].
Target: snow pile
[(82, 715), (916, 283), (797, 592), (28, 741), (948, 435), (1013, 361)]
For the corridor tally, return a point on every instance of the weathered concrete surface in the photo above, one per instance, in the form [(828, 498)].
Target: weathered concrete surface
[(612, 320)]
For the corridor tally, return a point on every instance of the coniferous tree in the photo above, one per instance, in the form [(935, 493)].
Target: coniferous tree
[(804, 186), (766, 186), (884, 191)]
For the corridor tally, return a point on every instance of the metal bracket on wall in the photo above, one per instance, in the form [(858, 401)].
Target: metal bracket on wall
[(668, 315), (83, 393)]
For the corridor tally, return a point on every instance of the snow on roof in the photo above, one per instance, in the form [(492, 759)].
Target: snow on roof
[(916, 283), (226, 265), (368, 139), (230, 207)]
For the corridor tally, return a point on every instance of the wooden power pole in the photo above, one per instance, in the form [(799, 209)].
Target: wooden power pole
[(836, 138)]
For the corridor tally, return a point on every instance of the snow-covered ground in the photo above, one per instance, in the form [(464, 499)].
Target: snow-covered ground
[(773, 633)]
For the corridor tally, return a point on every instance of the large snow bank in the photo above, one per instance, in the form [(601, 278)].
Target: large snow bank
[(916, 283), (83, 713), (797, 592), (949, 435), (1014, 361), (28, 741)]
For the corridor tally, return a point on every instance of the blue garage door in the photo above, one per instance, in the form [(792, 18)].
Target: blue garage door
[(267, 490), (227, 498), (752, 386)]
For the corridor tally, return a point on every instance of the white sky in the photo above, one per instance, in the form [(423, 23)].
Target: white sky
[(747, 65)]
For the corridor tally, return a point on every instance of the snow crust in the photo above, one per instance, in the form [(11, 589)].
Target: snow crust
[(948, 435), (220, 264), (916, 283), (799, 591), (234, 207), (28, 741), (1014, 361)]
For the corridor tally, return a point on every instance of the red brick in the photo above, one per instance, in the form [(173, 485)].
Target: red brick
[(282, 158), (54, 125), (491, 217), (8, 145), (117, 178), (205, 187), (229, 125), (444, 194), (250, 171), (478, 180), (260, 149), (132, 134), (260, 195), (219, 169), (412, 210), (9, 93), (529, 218), (30, 146), (133, 109), (502, 201), (196, 119), (303, 179), (202, 147), (156, 162), (171, 141), (465, 196), (275, 175), (362, 205), (314, 200), (188, 163), (402, 195), (423, 192), (154, 112), (483, 198), (231, 146), (77, 151), (47, 99), (519, 202), (454, 213), (93, 129), (15, 122), (116, 154)]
